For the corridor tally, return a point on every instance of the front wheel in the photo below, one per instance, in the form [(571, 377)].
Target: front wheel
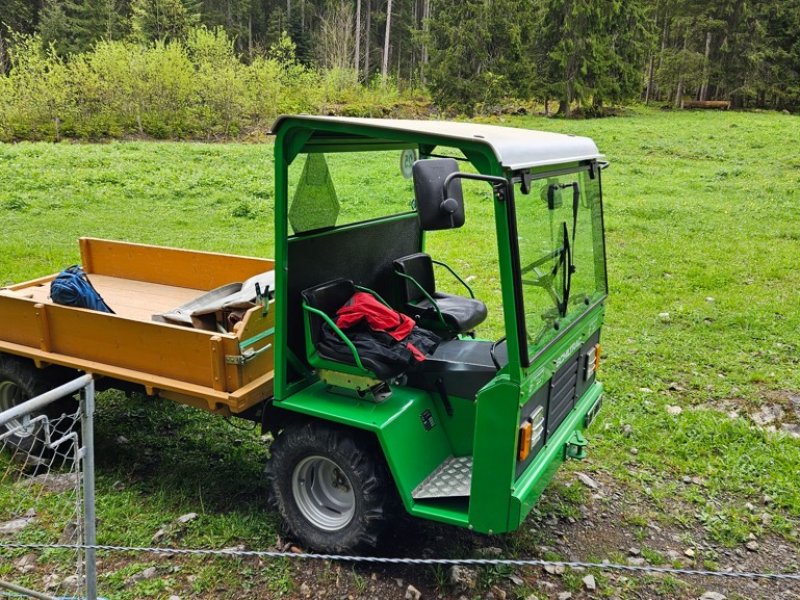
[(331, 486)]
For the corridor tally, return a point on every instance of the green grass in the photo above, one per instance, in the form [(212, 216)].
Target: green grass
[(702, 221)]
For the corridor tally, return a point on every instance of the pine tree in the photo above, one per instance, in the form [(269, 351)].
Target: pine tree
[(54, 26), (162, 19)]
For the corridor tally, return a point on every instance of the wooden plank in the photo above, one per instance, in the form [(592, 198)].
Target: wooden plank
[(17, 315), (169, 266), (163, 350)]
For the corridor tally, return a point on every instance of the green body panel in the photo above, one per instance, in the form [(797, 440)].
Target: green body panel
[(496, 426), (411, 450), (534, 480)]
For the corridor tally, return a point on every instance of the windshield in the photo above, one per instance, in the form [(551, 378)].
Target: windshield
[(562, 257)]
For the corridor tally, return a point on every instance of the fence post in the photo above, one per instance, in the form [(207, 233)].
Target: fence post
[(89, 517)]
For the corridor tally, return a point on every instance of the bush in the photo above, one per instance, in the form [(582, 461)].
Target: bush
[(194, 89)]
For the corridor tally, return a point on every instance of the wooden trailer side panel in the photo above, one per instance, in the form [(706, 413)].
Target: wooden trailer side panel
[(168, 266)]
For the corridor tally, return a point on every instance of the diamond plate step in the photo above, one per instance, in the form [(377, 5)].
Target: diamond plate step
[(449, 480)]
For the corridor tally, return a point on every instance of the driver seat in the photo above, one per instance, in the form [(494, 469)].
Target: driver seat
[(436, 310)]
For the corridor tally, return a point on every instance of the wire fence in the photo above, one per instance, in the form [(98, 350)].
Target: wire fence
[(47, 493)]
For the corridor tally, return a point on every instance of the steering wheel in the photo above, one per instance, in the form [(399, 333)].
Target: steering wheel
[(492, 353)]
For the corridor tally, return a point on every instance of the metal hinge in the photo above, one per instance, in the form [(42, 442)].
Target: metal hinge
[(246, 356)]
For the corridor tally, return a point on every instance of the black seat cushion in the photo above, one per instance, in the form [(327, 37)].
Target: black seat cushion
[(461, 314), (463, 367)]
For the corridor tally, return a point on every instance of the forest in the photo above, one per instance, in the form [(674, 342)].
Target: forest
[(195, 68)]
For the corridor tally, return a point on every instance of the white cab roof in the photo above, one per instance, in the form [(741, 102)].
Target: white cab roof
[(514, 148)]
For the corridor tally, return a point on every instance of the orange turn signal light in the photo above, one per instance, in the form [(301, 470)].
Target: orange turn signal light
[(525, 440)]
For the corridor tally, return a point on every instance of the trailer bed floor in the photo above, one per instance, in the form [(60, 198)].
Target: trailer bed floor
[(127, 297)]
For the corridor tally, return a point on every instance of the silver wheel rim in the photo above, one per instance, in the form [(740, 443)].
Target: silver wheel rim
[(10, 396), (323, 493)]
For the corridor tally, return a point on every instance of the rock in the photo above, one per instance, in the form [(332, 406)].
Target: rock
[(713, 596), (516, 580), (187, 518), (664, 317), (174, 597), (305, 590), (749, 506), (148, 573), (564, 595), (555, 569), (51, 581), (766, 519), (674, 410), (55, 483), (769, 413), (159, 535), (689, 552), (752, 546), (412, 593), (636, 561), (489, 552), (634, 551), (499, 593), (634, 451), (15, 525), (645, 390), (588, 481), (26, 563), (627, 430), (122, 440), (673, 555), (793, 429), (463, 578), (589, 583)]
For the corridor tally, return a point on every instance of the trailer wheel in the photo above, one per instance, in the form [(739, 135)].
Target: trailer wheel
[(331, 487), (20, 380)]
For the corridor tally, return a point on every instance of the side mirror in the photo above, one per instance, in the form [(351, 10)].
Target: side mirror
[(438, 208)]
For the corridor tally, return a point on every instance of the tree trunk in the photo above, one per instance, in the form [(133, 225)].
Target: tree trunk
[(426, 15), (704, 86), (358, 37), (656, 92), (386, 40), (649, 89), (367, 38), (288, 10)]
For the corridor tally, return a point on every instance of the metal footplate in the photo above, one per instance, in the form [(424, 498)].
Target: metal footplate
[(451, 479)]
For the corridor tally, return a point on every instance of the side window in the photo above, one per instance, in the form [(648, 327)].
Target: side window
[(331, 190)]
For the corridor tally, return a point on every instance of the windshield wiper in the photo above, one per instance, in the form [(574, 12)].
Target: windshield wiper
[(565, 262)]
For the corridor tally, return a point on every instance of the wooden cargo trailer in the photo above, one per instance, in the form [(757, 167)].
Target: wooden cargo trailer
[(220, 371)]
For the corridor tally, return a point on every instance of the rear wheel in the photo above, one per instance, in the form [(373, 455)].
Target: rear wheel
[(20, 380), (331, 486)]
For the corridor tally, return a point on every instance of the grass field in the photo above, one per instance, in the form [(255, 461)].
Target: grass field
[(703, 223)]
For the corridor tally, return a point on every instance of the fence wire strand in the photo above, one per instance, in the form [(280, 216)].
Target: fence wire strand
[(474, 562)]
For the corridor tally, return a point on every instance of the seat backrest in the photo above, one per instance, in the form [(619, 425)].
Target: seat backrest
[(420, 267), (327, 297)]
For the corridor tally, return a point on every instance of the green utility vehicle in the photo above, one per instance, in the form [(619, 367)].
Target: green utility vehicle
[(469, 436), (472, 435)]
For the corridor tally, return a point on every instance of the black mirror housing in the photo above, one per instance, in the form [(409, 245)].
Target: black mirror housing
[(438, 208)]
